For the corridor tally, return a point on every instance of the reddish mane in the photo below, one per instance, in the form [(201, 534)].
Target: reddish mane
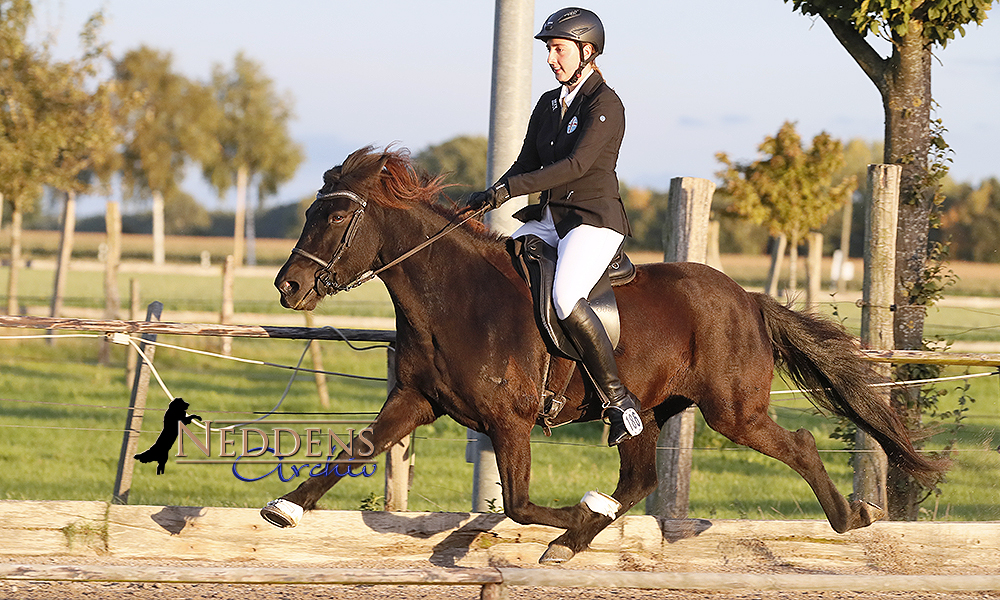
[(390, 178)]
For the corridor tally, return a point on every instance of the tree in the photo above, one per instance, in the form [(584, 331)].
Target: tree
[(971, 219), (913, 140), (89, 143), (52, 130), (174, 123), (791, 190), (254, 139), (22, 136), (462, 159)]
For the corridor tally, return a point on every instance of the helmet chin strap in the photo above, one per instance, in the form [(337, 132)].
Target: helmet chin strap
[(579, 70)]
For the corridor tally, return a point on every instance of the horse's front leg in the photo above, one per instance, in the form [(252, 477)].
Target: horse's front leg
[(636, 479), (512, 446), (403, 411)]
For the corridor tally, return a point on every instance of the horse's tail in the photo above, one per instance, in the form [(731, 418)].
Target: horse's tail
[(823, 358)]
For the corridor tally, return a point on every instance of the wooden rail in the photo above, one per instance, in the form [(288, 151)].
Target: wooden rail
[(254, 575), (495, 581), (207, 329), (375, 335), (971, 359)]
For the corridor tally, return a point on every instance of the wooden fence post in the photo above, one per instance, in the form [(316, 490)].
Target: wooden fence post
[(685, 239), (814, 268), (136, 408), (398, 467), (316, 353), (881, 217), (131, 357), (226, 316)]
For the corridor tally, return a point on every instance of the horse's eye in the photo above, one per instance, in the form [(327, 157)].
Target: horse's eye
[(337, 219)]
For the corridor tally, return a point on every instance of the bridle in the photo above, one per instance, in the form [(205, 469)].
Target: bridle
[(326, 280), (324, 275)]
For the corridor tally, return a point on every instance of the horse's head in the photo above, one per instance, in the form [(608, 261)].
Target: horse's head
[(340, 242)]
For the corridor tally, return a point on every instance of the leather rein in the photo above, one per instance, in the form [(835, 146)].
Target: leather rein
[(325, 276)]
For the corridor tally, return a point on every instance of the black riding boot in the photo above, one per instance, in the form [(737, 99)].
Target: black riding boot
[(585, 330)]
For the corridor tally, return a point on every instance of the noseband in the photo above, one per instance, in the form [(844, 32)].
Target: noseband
[(326, 281)]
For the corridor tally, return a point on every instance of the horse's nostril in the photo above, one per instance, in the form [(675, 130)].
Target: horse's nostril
[(288, 287)]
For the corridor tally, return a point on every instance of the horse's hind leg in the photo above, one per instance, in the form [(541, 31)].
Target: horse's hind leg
[(798, 450)]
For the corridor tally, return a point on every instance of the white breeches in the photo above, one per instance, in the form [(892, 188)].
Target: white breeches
[(584, 255)]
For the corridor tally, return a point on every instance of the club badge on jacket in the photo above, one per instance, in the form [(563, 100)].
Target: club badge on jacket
[(572, 126)]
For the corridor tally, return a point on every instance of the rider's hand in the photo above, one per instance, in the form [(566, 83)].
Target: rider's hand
[(493, 197)]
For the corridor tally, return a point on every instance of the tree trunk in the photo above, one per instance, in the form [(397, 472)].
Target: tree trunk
[(845, 242), (159, 236), (793, 265), (252, 232), (774, 274), (112, 260), (907, 134), (65, 255), (16, 220), (904, 81), (241, 215)]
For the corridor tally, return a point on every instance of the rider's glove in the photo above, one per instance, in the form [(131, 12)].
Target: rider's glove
[(494, 197)]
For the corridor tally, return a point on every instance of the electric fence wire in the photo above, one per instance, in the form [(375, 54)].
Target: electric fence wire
[(132, 341)]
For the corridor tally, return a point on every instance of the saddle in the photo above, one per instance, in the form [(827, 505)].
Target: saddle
[(535, 262)]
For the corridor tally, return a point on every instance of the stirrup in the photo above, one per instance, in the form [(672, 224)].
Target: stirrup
[(624, 420)]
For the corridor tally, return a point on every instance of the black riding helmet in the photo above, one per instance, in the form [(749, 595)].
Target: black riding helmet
[(577, 25)]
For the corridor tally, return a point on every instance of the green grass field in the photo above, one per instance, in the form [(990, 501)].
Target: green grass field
[(62, 415)]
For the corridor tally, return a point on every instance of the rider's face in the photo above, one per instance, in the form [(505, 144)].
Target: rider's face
[(564, 58)]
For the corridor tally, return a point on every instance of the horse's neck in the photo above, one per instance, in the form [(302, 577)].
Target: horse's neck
[(455, 261)]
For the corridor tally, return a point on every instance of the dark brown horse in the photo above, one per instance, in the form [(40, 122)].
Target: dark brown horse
[(467, 347)]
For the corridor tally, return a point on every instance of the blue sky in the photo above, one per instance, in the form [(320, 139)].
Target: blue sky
[(696, 77)]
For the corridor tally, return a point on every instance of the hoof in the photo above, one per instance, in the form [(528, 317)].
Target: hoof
[(282, 513), (556, 555), (873, 512)]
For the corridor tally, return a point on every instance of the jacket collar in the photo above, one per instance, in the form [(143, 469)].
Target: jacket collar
[(586, 89)]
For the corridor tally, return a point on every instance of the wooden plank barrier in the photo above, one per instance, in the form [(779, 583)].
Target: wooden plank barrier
[(497, 580), (333, 538), (251, 575)]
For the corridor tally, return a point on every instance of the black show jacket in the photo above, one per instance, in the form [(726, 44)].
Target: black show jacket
[(572, 160)]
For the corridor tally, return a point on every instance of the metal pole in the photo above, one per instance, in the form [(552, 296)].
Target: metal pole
[(487, 496), (510, 108), (510, 99), (399, 457)]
